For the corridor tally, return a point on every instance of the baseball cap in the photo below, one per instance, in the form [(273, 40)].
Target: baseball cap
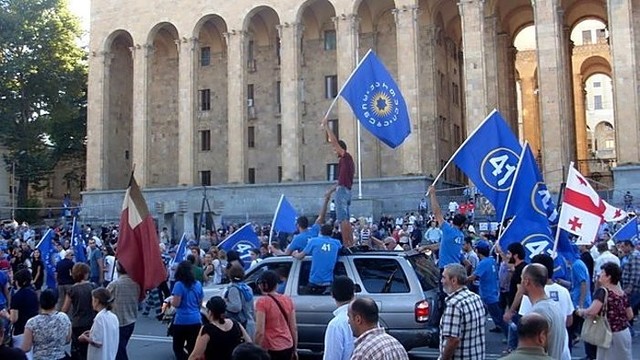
[(483, 245)]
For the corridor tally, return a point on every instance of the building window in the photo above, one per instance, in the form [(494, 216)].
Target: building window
[(334, 127), (278, 97), (304, 173), (332, 172), (457, 136), (250, 94), (330, 86), (597, 84), (601, 35), (205, 178), (250, 55), (329, 39), (455, 93), (205, 100), (279, 134), (586, 37), (279, 173), (251, 136), (251, 176), (278, 52), (205, 56), (205, 140), (609, 144), (597, 102)]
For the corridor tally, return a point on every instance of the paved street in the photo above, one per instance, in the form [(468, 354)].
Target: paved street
[(149, 342)]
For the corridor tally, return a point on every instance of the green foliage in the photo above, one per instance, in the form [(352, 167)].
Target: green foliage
[(43, 76), (29, 212)]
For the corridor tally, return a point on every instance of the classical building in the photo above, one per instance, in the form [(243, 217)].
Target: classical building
[(231, 93)]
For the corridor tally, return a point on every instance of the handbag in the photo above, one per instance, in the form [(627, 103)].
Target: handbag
[(596, 330)]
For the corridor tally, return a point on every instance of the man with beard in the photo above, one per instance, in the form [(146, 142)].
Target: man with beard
[(462, 326)]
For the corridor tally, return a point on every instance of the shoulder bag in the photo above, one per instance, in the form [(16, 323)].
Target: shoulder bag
[(596, 330)]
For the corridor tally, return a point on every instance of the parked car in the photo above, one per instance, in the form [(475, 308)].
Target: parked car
[(404, 285)]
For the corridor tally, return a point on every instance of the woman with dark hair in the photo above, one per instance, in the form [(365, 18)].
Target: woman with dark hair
[(187, 296), (233, 257), (24, 305), (47, 333), (239, 299), (618, 313), (78, 305), (104, 334), (218, 338), (276, 328), (37, 269)]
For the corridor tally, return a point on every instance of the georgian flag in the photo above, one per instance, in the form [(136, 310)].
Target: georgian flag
[(583, 210), (138, 248)]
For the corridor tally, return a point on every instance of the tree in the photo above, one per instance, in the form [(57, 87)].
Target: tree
[(43, 77)]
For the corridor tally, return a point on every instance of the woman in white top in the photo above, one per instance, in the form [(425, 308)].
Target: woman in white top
[(104, 334), (110, 273)]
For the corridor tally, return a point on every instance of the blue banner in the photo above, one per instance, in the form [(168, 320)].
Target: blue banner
[(77, 242), (49, 257), (285, 217), (628, 232), (489, 157), (377, 102), (180, 253), (242, 241)]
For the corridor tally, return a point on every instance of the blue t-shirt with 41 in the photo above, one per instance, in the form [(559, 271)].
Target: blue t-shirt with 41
[(450, 246), (324, 252), (488, 276)]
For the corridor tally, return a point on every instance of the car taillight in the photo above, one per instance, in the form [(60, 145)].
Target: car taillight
[(422, 311)]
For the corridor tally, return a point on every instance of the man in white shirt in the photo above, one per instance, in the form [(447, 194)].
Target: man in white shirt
[(605, 257), (338, 339), (555, 292)]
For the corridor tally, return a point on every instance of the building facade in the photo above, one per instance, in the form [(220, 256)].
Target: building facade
[(219, 93)]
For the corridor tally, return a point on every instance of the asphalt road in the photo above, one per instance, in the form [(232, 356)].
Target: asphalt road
[(149, 342)]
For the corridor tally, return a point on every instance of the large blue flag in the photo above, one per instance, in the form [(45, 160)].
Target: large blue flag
[(180, 253), (377, 102), (242, 241), (77, 242), (628, 232), (489, 157), (49, 257), (284, 219)]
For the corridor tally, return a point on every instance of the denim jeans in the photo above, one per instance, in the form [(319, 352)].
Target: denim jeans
[(496, 313), (512, 340), (124, 336), (342, 200)]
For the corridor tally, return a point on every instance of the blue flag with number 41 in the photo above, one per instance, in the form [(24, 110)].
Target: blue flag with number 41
[(489, 157)]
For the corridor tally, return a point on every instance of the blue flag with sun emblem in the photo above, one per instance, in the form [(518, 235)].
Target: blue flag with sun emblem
[(377, 102), (489, 157)]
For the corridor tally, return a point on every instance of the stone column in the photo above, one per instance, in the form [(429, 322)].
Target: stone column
[(554, 94), (291, 108), (429, 107), (511, 83), (406, 19), (237, 106), (581, 121), (186, 111), (625, 82), (475, 72), (141, 54), (531, 119), (491, 49), (347, 39), (98, 101)]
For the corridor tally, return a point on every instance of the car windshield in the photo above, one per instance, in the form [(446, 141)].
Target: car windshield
[(425, 269)]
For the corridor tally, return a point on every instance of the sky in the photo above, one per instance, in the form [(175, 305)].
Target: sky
[(81, 9)]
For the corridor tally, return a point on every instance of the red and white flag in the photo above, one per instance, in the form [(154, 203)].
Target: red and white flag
[(583, 210), (138, 248)]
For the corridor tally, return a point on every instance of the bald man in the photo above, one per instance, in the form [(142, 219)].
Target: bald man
[(533, 331)]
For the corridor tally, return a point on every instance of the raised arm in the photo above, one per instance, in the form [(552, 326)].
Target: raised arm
[(332, 138), (435, 206), (325, 203)]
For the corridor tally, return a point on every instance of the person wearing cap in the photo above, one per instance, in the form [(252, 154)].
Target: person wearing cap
[(487, 275)]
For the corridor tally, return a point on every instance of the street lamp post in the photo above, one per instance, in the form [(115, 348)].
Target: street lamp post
[(13, 190)]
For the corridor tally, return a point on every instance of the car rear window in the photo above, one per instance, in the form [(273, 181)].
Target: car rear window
[(381, 276), (426, 270)]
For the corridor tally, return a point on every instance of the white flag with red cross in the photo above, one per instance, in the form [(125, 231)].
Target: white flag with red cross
[(583, 210)]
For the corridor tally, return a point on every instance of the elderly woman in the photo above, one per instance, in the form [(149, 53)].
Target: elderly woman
[(618, 313), (78, 305), (47, 333), (103, 337)]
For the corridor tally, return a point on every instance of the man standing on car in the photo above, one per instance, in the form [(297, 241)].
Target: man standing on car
[(338, 339), (346, 171)]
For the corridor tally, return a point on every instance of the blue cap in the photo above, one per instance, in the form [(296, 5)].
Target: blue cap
[(483, 245)]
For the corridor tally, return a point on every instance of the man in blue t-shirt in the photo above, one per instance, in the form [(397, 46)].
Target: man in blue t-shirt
[(305, 233), (324, 252), (487, 273), (450, 247)]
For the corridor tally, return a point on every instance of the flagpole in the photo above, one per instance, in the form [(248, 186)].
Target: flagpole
[(274, 219), (555, 243), (358, 63), (461, 146), (358, 132), (42, 239), (230, 235), (515, 177)]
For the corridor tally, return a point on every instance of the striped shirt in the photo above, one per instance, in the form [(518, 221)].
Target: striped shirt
[(464, 318), (376, 344)]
